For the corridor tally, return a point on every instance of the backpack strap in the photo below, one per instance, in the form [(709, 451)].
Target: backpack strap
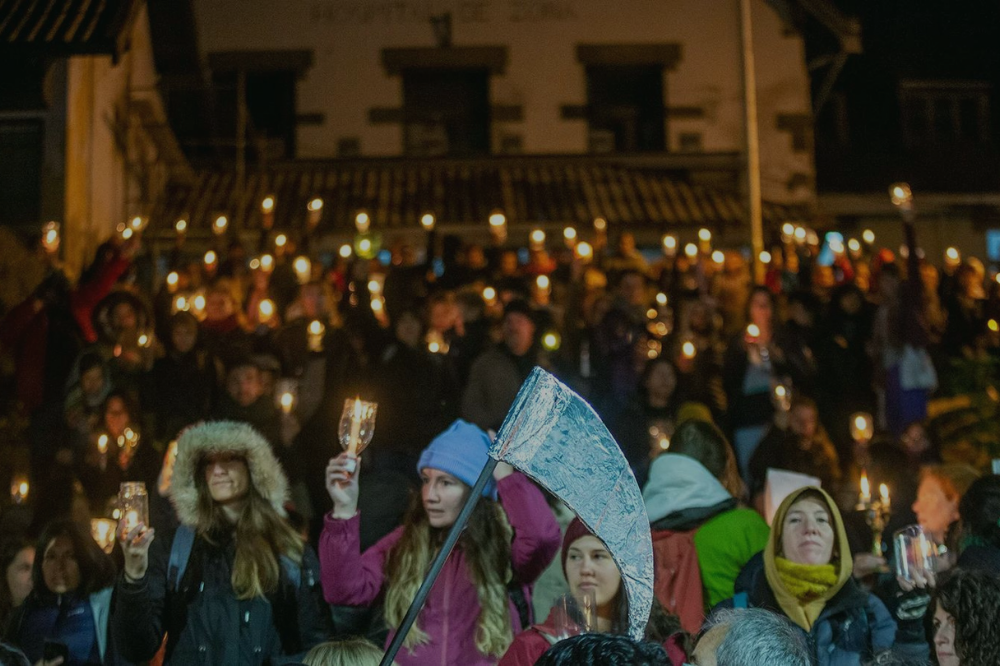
[(180, 552), (741, 600)]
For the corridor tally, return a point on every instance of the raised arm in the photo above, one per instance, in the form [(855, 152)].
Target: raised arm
[(536, 532)]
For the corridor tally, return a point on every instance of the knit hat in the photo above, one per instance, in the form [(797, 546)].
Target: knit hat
[(576, 530), (461, 451)]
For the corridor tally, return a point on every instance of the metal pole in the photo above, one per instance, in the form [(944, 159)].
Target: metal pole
[(438, 564), (752, 148)]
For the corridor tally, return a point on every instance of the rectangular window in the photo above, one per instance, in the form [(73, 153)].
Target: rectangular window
[(625, 103), (21, 171), (446, 112), (271, 109)]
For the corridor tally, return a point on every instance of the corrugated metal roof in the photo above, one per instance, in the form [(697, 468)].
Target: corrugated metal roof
[(396, 193), (63, 27)]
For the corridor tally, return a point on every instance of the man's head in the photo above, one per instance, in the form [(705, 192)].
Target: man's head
[(632, 287), (603, 650), (748, 637), (518, 327), (243, 383), (803, 418)]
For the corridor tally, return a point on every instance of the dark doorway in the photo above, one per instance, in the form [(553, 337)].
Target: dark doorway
[(625, 105), (446, 112)]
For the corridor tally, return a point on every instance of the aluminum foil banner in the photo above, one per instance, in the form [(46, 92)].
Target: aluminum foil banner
[(552, 435)]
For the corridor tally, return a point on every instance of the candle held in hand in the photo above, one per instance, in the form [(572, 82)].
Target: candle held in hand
[(352, 447)]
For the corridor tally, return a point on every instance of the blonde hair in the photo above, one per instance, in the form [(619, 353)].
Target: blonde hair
[(349, 652), (486, 544), (261, 537)]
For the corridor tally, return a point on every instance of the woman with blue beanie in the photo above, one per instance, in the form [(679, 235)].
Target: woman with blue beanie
[(480, 599)]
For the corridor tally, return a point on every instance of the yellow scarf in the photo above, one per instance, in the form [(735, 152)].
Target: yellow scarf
[(810, 584)]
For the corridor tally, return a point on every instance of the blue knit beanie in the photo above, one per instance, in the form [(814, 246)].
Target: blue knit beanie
[(461, 451)]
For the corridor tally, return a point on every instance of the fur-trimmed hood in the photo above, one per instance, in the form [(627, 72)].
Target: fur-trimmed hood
[(266, 474)]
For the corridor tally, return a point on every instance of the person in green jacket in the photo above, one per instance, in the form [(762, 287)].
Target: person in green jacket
[(691, 499)]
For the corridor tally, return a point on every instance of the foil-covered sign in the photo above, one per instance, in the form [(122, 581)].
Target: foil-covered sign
[(552, 435)]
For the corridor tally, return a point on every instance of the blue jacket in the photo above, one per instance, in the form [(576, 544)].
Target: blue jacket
[(853, 627), (81, 624)]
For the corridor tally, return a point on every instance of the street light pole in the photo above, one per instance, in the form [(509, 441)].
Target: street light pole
[(752, 147)]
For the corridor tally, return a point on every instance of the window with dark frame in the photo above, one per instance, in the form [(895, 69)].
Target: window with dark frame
[(271, 111), (945, 114), (21, 144), (625, 108), (446, 112)]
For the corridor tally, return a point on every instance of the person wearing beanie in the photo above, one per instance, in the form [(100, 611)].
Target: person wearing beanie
[(234, 584), (593, 577), (481, 599)]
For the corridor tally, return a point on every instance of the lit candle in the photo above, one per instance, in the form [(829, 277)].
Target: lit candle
[(866, 490), (220, 224), (669, 245), (131, 520), (584, 251), (265, 310), (883, 491), (569, 235), (316, 330), (172, 279), (50, 237), (102, 444), (352, 446), (688, 350), (753, 333), (427, 221), (287, 402), (19, 491), (489, 295), (303, 269), (362, 222)]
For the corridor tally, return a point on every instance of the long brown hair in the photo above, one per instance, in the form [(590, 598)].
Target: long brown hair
[(261, 536), (486, 543)]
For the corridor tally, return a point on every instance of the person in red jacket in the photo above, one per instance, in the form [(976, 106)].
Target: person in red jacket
[(592, 576)]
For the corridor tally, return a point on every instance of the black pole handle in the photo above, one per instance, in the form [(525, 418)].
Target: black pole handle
[(438, 564)]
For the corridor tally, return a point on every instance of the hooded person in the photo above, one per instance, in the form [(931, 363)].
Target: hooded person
[(807, 577), (234, 584), (702, 539), (481, 598), (594, 578)]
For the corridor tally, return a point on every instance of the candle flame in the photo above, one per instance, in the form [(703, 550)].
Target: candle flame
[(866, 489), (357, 408), (883, 492), (753, 330)]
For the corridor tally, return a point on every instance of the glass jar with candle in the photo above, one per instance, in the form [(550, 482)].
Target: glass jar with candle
[(133, 505), (357, 425)]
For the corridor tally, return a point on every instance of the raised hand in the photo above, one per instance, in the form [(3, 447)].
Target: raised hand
[(135, 545), (342, 484)]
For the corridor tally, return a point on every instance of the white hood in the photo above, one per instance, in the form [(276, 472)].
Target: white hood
[(677, 482)]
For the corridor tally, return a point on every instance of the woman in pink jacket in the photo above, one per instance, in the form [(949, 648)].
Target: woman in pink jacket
[(469, 617)]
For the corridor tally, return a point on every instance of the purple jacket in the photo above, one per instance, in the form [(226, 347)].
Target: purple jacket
[(451, 613)]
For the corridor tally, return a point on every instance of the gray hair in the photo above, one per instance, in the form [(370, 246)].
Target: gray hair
[(757, 637)]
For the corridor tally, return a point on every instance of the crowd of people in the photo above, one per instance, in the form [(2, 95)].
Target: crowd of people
[(222, 380)]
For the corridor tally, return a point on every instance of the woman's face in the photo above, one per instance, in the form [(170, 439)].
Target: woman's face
[(443, 496), (19, 575), (935, 511), (60, 570), (116, 417), (661, 380), (183, 336), (944, 638), (807, 534), (590, 568), (760, 309), (227, 478)]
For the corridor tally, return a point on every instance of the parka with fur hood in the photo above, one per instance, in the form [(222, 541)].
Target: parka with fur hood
[(205, 622)]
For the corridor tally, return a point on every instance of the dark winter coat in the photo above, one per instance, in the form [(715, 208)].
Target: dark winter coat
[(206, 624)]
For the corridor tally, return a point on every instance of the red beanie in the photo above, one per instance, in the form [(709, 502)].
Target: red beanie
[(575, 531)]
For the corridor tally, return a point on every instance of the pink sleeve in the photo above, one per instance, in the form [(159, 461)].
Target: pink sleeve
[(349, 577), (536, 532)]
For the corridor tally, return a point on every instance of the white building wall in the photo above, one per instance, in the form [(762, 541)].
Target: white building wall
[(348, 79)]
